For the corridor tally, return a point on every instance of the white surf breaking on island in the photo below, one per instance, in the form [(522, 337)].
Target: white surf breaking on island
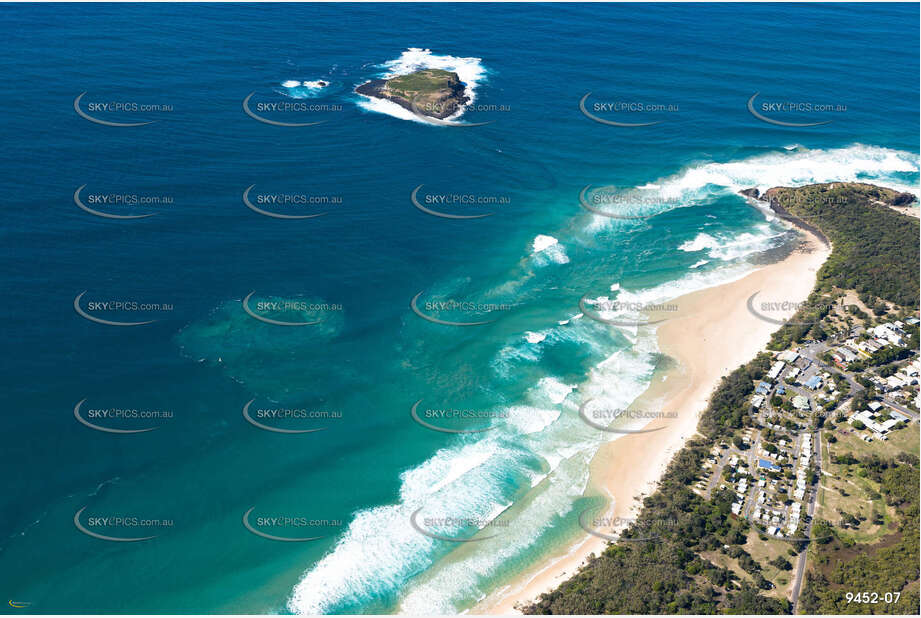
[(307, 89), (470, 71)]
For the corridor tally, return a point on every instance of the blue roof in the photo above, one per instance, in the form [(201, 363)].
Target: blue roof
[(813, 382), (763, 388), (781, 390), (764, 463)]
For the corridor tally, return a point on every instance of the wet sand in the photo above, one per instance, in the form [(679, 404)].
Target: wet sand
[(711, 333)]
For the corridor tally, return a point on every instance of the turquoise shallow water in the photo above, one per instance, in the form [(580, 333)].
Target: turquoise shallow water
[(357, 374)]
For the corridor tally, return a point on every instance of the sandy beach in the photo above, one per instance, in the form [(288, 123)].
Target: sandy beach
[(711, 333)]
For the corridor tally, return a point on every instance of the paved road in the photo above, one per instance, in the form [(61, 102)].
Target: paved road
[(810, 509), (856, 387)]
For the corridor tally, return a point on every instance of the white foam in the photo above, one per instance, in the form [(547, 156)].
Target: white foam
[(533, 337), (547, 248), (532, 419), (730, 247), (568, 445), (469, 70), (291, 83), (380, 550), (699, 263), (379, 553), (700, 183), (542, 242), (555, 390), (855, 163)]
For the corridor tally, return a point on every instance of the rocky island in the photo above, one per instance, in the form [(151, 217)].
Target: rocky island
[(429, 92)]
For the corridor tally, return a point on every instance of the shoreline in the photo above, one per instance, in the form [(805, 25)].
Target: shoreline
[(692, 339)]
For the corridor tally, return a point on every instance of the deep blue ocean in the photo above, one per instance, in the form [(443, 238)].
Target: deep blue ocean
[(358, 483)]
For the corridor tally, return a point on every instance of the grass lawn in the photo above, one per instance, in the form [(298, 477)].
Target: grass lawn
[(765, 551)]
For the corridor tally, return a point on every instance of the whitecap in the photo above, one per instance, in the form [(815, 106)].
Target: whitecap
[(470, 71), (546, 248), (533, 337)]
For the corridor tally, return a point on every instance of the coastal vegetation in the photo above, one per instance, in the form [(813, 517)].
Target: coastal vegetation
[(669, 575), (715, 562), (842, 565), (435, 93), (876, 249)]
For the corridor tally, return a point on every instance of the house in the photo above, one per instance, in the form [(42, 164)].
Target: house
[(879, 428), (888, 333), (788, 355), (843, 357), (801, 403), (776, 368), (814, 383), (757, 400), (763, 388), (894, 383)]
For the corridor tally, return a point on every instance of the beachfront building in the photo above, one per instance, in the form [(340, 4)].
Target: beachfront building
[(789, 356), (776, 368)]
